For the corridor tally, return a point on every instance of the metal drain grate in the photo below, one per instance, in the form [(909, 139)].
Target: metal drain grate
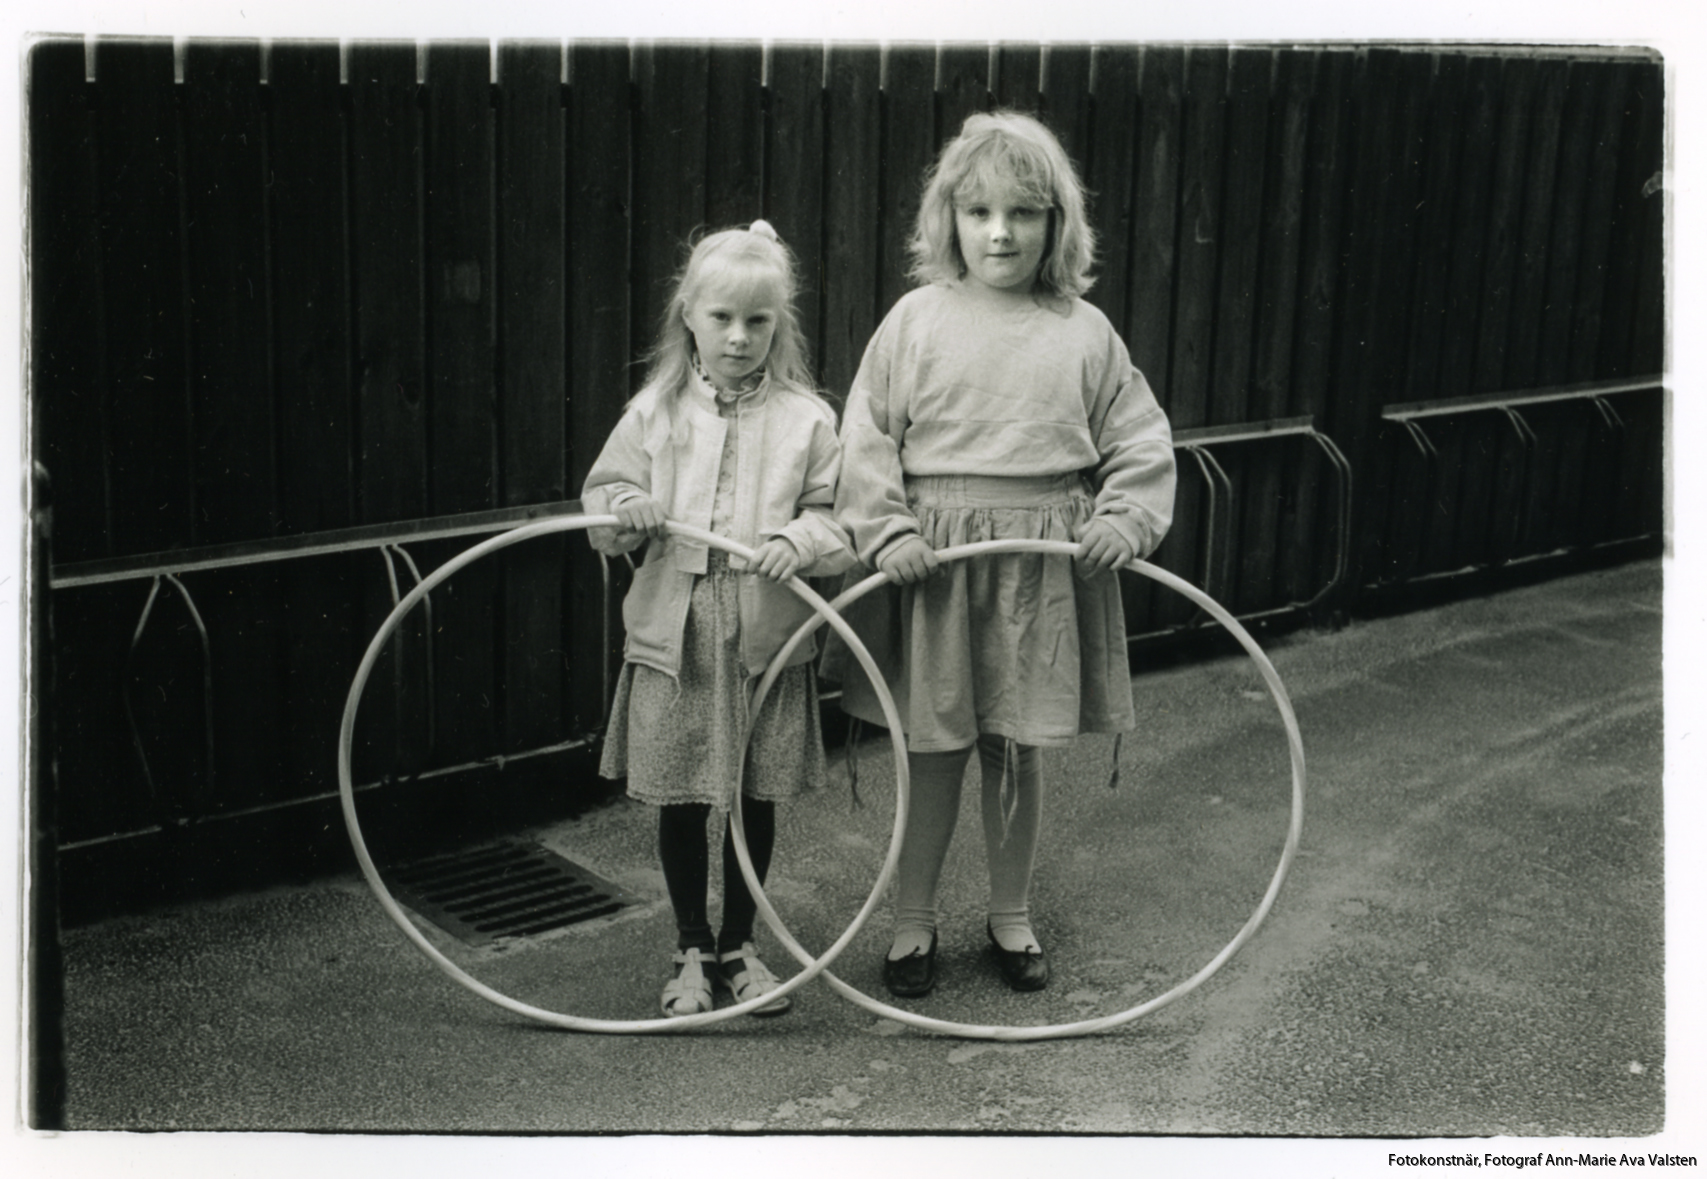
[(506, 889)]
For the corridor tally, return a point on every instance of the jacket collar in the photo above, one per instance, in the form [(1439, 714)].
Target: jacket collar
[(708, 395)]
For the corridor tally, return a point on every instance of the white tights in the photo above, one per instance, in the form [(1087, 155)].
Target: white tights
[(1010, 847)]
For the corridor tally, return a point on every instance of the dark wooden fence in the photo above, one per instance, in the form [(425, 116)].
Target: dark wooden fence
[(291, 302)]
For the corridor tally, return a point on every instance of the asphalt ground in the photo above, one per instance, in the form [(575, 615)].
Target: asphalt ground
[(1470, 946)]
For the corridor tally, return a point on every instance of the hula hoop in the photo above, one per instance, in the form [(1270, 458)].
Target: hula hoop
[(1050, 1031), (813, 967)]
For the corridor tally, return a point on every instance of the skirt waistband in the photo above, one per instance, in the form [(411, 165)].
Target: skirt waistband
[(994, 491)]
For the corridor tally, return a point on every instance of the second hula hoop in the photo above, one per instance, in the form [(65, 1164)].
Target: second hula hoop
[(1294, 829)]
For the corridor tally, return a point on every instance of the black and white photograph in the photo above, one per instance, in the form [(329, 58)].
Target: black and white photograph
[(950, 586)]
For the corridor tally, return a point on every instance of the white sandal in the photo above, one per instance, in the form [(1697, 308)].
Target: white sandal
[(749, 979), (689, 993)]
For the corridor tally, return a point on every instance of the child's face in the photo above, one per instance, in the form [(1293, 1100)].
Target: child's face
[(1002, 234), (732, 325)]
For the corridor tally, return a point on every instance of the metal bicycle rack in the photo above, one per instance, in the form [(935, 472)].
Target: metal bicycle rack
[(1410, 416), (1218, 537), (387, 539)]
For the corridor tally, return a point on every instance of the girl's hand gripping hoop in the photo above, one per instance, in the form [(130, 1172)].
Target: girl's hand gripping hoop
[(909, 561), (1102, 547)]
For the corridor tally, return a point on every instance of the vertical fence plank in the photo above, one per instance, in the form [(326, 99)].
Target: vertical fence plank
[(1150, 263), (1065, 101), (852, 201), (1441, 177), (1114, 112), (1565, 451), (1534, 240), (669, 189), (1623, 259), (1397, 540), (1241, 226), (1368, 181), (531, 284), (1519, 83), (1647, 336), (1647, 343), (1308, 514), (226, 244), (307, 184), (1530, 297), (1198, 245), (1472, 199), (1566, 246), (963, 88), (460, 291), (149, 429), (233, 398), (1598, 219), (734, 157), (1244, 165), (1465, 468), (385, 219), (1018, 76), (1505, 227), (1150, 302), (67, 351), (391, 478), (1357, 363), (1199, 234), (460, 276), (908, 147), (602, 335), (794, 194), (1444, 174), (1274, 471), (1319, 299), (532, 302)]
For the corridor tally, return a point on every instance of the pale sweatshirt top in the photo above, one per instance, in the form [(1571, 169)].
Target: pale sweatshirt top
[(952, 385), (669, 447)]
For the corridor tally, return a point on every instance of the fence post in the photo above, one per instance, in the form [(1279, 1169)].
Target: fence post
[(46, 980)]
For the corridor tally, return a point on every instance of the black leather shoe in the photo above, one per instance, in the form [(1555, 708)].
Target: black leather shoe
[(1024, 970), (912, 976)]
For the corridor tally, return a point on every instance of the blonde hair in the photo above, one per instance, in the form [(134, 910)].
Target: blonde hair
[(743, 256), (999, 149)]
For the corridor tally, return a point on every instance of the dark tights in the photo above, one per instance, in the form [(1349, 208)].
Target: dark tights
[(681, 847)]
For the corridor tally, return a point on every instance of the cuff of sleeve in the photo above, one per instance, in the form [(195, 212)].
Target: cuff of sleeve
[(1131, 530)]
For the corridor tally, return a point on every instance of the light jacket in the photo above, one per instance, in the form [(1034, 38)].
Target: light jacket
[(670, 447)]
